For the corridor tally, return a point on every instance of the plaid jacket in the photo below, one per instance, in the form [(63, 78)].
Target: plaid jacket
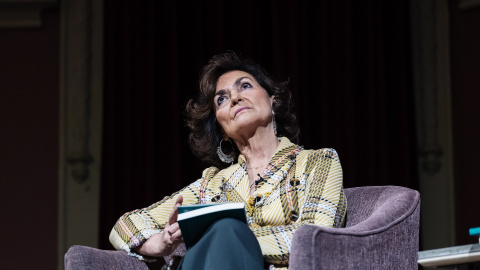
[(300, 187)]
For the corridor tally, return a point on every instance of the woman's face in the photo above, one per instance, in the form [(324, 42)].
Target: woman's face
[(242, 106)]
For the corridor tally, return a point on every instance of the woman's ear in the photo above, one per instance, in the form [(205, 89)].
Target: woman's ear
[(272, 100)]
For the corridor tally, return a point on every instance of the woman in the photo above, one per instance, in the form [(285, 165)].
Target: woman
[(242, 115)]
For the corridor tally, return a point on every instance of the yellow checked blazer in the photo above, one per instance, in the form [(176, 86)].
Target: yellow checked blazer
[(300, 187)]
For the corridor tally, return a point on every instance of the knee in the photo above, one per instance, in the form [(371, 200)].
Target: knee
[(229, 223), (229, 229)]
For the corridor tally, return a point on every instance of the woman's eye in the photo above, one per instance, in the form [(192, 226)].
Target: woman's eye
[(220, 100), (246, 85)]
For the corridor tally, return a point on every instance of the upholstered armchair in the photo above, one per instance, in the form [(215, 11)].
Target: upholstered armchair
[(381, 232)]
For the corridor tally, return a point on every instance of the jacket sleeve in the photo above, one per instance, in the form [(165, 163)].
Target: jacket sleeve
[(324, 204), (135, 227)]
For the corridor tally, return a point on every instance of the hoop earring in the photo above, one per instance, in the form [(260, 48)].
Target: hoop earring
[(224, 157), (274, 124)]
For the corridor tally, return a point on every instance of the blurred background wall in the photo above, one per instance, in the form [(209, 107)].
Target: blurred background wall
[(29, 143), (91, 104)]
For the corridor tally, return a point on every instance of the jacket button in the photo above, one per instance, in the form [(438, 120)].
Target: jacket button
[(294, 216)]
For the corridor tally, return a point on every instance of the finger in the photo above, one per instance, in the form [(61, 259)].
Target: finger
[(177, 235), (175, 230), (179, 201), (174, 227), (177, 239), (166, 233), (170, 238), (174, 214)]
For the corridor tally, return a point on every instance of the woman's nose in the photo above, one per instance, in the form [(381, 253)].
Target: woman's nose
[(236, 97)]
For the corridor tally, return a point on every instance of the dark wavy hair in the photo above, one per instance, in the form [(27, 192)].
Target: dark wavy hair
[(206, 133)]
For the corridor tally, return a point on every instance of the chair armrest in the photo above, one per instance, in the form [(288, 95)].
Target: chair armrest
[(82, 257), (382, 241)]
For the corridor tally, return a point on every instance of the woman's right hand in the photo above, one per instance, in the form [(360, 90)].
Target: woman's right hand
[(163, 244)]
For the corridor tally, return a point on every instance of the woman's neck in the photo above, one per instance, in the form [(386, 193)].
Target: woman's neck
[(258, 150)]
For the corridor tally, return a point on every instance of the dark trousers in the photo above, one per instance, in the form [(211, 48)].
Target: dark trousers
[(228, 244)]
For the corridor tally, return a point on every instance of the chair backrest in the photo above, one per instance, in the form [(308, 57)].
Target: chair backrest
[(381, 204)]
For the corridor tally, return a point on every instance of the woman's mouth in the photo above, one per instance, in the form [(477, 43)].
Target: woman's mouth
[(240, 110)]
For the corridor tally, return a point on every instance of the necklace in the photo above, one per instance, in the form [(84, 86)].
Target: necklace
[(256, 182), (254, 168)]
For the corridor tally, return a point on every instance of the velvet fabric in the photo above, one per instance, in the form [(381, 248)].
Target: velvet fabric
[(87, 258), (382, 232)]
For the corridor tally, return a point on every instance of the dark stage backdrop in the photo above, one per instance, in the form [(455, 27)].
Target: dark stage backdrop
[(348, 63)]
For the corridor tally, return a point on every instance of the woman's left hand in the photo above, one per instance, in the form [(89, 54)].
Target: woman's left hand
[(172, 227), (164, 243)]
